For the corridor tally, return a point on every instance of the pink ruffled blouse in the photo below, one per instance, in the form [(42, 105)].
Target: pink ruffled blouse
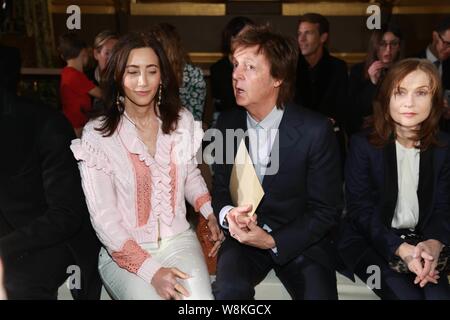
[(134, 198)]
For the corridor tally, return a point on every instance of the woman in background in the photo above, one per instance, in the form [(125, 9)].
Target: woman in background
[(189, 77), (365, 77), (104, 43)]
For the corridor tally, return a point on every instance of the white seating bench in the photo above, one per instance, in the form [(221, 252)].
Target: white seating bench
[(272, 289)]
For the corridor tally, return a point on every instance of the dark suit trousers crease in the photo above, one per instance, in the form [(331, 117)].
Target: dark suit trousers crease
[(240, 268)]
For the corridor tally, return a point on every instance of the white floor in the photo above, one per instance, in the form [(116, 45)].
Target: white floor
[(272, 289)]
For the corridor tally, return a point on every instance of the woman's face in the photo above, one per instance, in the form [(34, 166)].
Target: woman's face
[(141, 78), (389, 48), (411, 102), (102, 55)]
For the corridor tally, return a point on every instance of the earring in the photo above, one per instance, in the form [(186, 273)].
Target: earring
[(159, 95), (119, 102)]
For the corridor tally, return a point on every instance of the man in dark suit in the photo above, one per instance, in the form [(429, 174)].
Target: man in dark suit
[(438, 52), (322, 80), (296, 159), (44, 222)]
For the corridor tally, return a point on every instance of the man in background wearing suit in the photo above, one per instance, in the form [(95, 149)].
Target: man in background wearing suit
[(322, 79), (438, 52), (298, 167)]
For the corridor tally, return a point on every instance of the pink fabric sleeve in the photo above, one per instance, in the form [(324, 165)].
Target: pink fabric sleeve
[(101, 200), (195, 189)]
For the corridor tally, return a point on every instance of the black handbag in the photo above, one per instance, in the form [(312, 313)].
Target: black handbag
[(398, 265)]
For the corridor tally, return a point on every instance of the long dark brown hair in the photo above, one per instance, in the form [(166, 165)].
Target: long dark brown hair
[(383, 126), (112, 84), (375, 42)]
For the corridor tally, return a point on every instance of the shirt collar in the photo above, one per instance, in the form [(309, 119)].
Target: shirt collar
[(270, 121), (430, 56)]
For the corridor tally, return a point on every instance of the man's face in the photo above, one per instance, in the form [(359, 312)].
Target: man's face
[(442, 44), (309, 39), (253, 85)]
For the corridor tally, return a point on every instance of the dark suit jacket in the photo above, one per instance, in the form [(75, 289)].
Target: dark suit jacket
[(221, 85), (303, 199), (371, 198), (445, 70), (323, 88), (361, 94), (41, 199)]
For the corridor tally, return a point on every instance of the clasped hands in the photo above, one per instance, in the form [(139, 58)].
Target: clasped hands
[(245, 229), (422, 260)]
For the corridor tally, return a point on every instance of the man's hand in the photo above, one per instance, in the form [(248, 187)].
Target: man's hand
[(239, 216), (254, 236)]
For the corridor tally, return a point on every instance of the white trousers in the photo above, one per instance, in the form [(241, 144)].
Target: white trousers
[(182, 251)]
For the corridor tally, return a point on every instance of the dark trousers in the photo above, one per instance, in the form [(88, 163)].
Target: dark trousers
[(400, 286), (240, 268), (37, 275)]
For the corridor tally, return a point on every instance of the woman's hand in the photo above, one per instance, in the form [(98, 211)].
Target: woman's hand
[(216, 235), (166, 285), (429, 250), (374, 71), (407, 253), (416, 260)]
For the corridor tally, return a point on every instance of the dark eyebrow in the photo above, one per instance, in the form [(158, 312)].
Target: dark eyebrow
[(136, 66)]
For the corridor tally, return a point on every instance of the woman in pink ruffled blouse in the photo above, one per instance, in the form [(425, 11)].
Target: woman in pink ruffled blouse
[(137, 162)]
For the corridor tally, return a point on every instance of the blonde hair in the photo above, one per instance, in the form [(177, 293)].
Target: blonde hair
[(102, 37)]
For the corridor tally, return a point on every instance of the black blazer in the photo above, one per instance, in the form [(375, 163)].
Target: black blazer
[(221, 85), (361, 94), (41, 200), (302, 202), (445, 70), (371, 198), (323, 88)]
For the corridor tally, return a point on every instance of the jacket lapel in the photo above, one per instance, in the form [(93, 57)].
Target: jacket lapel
[(288, 135), (390, 190), (426, 184)]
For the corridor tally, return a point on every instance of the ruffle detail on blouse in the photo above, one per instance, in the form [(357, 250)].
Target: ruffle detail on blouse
[(86, 151), (187, 139), (161, 169)]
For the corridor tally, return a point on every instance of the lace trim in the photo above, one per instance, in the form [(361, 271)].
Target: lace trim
[(143, 189), (131, 257), (200, 201), (173, 185)]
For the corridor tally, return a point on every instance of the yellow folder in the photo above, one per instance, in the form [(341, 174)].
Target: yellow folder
[(245, 187)]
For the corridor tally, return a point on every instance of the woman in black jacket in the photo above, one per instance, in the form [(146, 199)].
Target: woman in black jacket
[(397, 188), (365, 77)]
